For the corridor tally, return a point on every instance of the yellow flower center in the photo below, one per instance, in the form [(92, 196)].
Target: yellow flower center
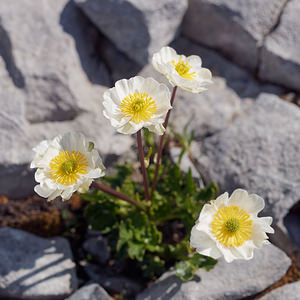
[(232, 226), (139, 106), (183, 69), (67, 167)]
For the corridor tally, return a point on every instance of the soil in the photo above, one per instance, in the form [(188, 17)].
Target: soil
[(33, 214)]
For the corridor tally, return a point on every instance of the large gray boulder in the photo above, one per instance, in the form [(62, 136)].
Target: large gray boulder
[(207, 113), (259, 151), (237, 27), (97, 247), (48, 55), (113, 283), (287, 292), (15, 151), (138, 28), (32, 267), (91, 291), (51, 82), (280, 61), (231, 281)]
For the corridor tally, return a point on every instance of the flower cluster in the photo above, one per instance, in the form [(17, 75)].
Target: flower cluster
[(226, 227)]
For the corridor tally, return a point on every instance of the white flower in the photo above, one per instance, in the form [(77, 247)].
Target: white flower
[(231, 227), (136, 103), (182, 71), (64, 165)]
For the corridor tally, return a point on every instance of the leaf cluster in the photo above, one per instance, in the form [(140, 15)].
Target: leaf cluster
[(155, 236)]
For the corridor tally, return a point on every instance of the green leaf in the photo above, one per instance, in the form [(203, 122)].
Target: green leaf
[(186, 270), (201, 261), (190, 184), (136, 250), (209, 192), (152, 266), (102, 216), (125, 235)]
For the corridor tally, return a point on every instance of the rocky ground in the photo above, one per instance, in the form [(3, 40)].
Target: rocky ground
[(57, 57)]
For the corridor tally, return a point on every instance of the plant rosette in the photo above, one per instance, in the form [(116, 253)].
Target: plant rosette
[(156, 230)]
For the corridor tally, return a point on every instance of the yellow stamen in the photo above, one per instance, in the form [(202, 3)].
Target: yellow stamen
[(183, 69), (139, 106), (232, 226), (67, 167)]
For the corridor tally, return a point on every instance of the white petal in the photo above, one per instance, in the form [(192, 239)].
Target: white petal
[(245, 251), (54, 195), (221, 201), (85, 186), (157, 129), (206, 217), (205, 75), (44, 191), (194, 61), (227, 253), (66, 194), (96, 173), (252, 204), (204, 244)]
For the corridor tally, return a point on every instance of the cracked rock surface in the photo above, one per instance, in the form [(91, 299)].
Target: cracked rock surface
[(237, 28), (225, 281), (32, 267), (260, 152)]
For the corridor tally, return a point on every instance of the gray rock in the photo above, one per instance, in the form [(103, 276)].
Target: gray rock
[(15, 177), (185, 163), (260, 152), (287, 292), (138, 28), (91, 291), (120, 65), (236, 27), (113, 283), (283, 241), (50, 83), (280, 61), (292, 224), (48, 55), (207, 113), (236, 280), (98, 248), (32, 267)]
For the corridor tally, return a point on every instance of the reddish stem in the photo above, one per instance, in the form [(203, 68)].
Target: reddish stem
[(161, 142), (114, 193), (142, 161)]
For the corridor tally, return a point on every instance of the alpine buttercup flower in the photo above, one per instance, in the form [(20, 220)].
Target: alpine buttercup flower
[(64, 165), (136, 103), (182, 71), (230, 227)]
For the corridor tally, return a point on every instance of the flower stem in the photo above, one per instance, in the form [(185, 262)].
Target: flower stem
[(161, 142), (113, 193), (142, 161)]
